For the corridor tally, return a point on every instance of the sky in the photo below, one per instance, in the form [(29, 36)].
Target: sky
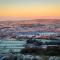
[(30, 9)]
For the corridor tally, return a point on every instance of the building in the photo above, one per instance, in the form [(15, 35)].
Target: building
[(7, 46)]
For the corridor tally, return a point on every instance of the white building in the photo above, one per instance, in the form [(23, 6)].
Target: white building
[(11, 46)]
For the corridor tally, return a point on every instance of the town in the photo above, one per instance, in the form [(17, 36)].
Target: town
[(24, 37)]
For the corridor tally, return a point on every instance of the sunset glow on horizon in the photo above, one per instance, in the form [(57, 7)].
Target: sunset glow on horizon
[(30, 8)]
